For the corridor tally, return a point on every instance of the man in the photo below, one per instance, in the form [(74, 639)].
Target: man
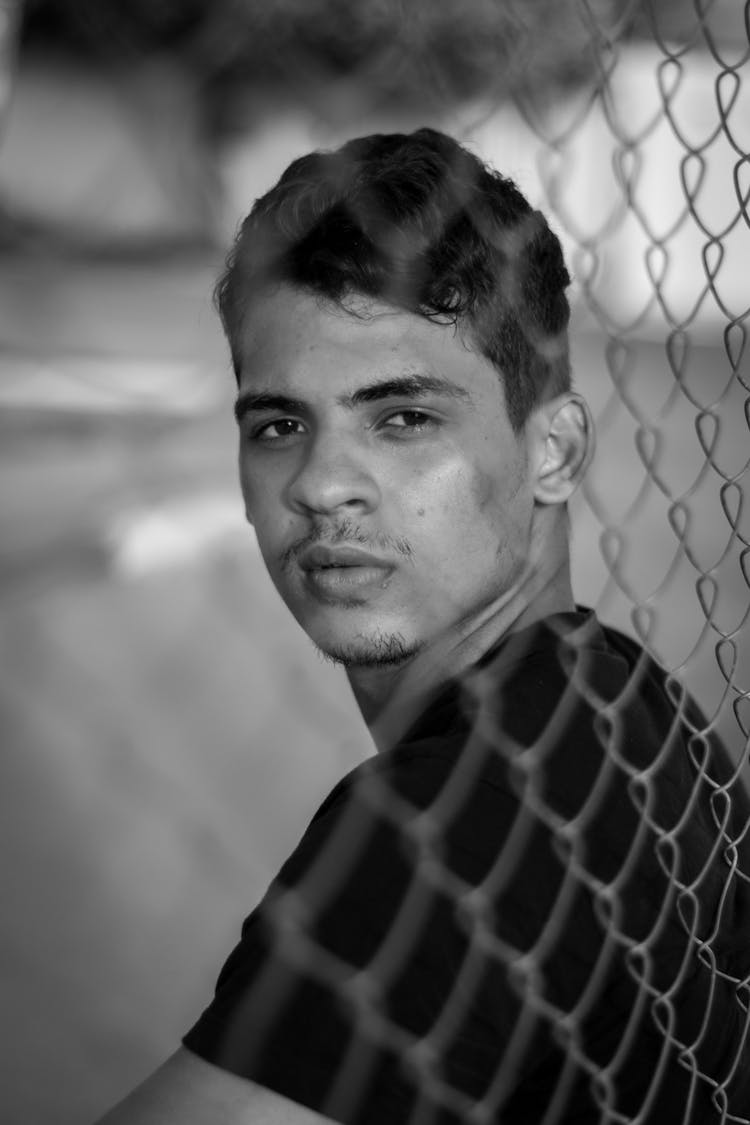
[(532, 905)]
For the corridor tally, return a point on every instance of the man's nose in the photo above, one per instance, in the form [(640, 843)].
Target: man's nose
[(334, 475)]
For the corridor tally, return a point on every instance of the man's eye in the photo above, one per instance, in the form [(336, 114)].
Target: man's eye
[(277, 430), (414, 420)]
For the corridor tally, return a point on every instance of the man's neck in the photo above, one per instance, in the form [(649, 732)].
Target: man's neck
[(392, 697)]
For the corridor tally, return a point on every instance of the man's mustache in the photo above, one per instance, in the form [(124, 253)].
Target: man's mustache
[(346, 531)]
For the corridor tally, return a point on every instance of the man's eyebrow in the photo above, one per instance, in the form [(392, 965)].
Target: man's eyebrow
[(402, 386), (248, 401), (405, 386)]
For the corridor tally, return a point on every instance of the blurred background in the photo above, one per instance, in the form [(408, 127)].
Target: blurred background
[(167, 730)]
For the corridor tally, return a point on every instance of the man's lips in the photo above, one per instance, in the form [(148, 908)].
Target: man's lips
[(325, 558), (343, 573)]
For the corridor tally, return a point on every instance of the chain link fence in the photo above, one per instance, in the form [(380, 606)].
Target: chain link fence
[(658, 249), (646, 174), (640, 157)]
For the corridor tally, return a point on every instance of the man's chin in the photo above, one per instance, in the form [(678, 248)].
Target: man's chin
[(389, 650)]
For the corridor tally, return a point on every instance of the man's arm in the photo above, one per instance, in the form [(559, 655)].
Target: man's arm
[(188, 1091)]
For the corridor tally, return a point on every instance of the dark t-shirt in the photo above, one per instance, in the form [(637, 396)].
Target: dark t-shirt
[(538, 903)]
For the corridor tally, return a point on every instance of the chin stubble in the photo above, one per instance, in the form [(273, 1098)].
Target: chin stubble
[(376, 651)]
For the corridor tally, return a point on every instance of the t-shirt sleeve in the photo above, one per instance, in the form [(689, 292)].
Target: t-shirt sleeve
[(356, 988)]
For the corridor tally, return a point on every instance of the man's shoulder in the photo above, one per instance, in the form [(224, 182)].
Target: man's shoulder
[(557, 688), (547, 686), (570, 677)]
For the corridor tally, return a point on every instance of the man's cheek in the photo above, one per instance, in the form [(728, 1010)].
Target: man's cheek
[(465, 501), (247, 495), (489, 492)]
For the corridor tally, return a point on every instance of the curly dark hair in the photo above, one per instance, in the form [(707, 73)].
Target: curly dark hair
[(419, 222)]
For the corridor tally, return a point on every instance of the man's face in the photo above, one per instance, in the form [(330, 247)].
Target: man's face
[(389, 494)]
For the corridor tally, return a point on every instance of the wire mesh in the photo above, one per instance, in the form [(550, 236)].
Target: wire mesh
[(677, 138), (655, 216), (645, 173)]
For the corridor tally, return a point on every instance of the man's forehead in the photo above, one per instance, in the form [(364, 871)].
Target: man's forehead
[(289, 313), (289, 333)]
